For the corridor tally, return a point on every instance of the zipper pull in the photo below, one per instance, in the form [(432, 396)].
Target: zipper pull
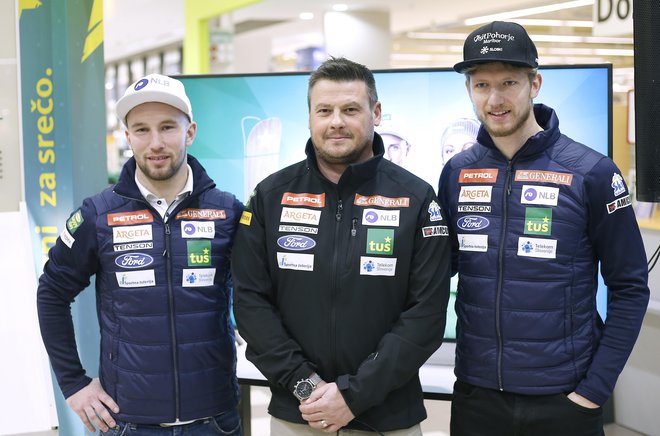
[(340, 208), (354, 227)]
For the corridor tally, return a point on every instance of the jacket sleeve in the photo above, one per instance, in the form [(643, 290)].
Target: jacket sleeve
[(255, 306), (615, 235), (444, 193), (420, 328), (71, 263)]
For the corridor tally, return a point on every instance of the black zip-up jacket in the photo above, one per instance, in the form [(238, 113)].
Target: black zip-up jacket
[(349, 280), (162, 297)]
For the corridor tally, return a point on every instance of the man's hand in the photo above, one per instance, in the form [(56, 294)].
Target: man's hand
[(579, 399), (91, 404), (326, 409)]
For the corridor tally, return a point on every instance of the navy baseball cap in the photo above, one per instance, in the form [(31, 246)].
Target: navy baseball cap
[(499, 41)]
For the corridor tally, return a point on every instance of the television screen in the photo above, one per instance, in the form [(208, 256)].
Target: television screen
[(252, 125)]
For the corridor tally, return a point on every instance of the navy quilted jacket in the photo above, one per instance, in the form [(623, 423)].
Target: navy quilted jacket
[(162, 297), (528, 236)]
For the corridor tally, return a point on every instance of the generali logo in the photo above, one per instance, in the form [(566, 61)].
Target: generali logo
[(379, 200), (303, 199), (130, 218)]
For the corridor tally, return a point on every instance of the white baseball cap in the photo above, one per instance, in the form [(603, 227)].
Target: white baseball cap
[(154, 88)]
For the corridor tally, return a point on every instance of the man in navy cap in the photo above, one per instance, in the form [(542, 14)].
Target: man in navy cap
[(533, 356)]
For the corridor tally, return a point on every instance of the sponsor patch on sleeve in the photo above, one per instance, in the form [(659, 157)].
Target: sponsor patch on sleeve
[(74, 222), (66, 237), (434, 212), (618, 185), (431, 231), (619, 203), (246, 218)]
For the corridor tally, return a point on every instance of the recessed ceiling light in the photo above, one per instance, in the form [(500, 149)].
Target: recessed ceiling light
[(529, 11), (306, 15), (340, 7)]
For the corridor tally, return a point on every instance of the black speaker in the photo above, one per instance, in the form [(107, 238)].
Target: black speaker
[(646, 31)]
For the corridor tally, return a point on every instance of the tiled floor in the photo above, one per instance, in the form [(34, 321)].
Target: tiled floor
[(437, 424)]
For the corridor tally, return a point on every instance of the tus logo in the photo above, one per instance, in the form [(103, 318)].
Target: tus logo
[(199, 253), (380, 241)]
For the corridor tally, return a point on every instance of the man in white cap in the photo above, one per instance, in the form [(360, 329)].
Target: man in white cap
[(158, 243), (533, 215)]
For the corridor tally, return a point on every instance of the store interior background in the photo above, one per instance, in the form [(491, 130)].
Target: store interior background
[(146, 36)]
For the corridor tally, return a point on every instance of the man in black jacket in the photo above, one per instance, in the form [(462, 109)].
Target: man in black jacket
[(341, 272)]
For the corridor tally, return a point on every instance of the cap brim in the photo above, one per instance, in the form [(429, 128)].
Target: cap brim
[(128, 102), (461, 66)]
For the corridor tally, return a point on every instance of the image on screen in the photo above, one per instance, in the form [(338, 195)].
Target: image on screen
[(252, 125)]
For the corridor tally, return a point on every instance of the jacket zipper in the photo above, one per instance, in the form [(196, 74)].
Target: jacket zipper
[(335, 263), (170, 293), (500, 270)]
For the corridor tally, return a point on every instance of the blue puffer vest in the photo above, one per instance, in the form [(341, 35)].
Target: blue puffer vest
[(528, 234)]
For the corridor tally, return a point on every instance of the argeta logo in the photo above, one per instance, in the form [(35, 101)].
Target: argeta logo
[(141, 84)]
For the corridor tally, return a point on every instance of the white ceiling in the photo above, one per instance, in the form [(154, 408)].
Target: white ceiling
[(135, 27)]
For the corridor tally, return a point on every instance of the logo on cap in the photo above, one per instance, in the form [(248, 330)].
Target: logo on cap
[(140, 84)]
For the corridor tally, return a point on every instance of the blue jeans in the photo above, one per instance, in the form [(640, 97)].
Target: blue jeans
[(227, 423)]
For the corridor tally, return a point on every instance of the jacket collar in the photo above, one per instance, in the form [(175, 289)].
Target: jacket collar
[(547, 119), (355, 173), (126, 186)]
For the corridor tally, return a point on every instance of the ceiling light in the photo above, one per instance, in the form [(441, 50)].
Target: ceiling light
[(552, 23), (340, 7), (306, 15), (528, 11)]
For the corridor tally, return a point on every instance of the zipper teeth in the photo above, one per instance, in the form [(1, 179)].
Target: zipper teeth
[(500, 267), (170, 291)]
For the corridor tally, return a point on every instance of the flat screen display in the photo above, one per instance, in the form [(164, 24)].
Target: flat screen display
[(252, 125)]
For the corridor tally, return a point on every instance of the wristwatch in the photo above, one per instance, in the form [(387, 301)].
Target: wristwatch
[(304, 387)]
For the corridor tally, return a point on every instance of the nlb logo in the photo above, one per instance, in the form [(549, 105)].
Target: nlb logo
[(296, 242), (133, 260), (311, 200), (472, 223), (197, 229), (539, 195), (373, 217), (475, 194)]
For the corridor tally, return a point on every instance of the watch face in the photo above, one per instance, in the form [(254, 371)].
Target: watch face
[(304, 389)]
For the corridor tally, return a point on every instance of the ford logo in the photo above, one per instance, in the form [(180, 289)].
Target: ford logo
[(133, 260), (296, 242), (472, 223)]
